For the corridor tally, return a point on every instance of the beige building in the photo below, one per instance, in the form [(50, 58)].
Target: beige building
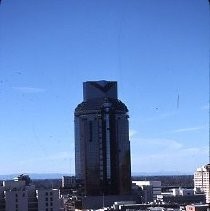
[(202, 181)]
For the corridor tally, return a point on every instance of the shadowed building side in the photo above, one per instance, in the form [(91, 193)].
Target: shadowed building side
[(102, 146)]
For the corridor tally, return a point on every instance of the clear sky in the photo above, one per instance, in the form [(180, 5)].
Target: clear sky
[(157, 50)]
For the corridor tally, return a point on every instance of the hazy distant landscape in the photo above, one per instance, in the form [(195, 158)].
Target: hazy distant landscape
[(35, 176), (185, 181), (59, 175), (166, 180)]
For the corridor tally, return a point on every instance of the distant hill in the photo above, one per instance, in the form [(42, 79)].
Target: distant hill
[(59, 175)]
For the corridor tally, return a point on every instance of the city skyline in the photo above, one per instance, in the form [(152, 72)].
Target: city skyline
[(157, 51)]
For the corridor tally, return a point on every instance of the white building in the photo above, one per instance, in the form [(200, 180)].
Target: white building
[(16, 200), (11, 184), (48, 200), (68, 181), (202, 181), (15, 195), (156, 186), (182, 192), (2, 199)]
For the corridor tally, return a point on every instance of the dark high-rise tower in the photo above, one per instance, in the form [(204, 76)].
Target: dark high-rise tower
[(102, 146)]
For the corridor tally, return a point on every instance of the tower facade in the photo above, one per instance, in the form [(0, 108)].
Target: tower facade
[(102, 146), (202, 181)]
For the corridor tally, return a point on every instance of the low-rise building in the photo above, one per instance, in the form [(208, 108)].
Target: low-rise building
[(197, 207), (182, 192), (48, 199), (68, 182), (181, 196), (154, 188)]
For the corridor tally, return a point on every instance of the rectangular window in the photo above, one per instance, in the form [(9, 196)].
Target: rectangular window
[(90, 131)]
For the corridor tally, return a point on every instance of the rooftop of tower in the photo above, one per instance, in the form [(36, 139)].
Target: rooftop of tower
[(99, 89), (98, 103)]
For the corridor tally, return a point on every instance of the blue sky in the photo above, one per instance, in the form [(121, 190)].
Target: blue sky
[(157, 50)]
